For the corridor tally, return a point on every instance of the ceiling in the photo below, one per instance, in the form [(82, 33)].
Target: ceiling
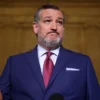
[(10, 3), (80, 1)]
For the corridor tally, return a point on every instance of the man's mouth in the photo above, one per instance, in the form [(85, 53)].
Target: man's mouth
[(53, 33)]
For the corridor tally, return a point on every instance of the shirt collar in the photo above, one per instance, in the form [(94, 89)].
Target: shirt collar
[(41, 51)]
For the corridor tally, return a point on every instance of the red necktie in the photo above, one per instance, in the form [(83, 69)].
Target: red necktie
[(47, 68)]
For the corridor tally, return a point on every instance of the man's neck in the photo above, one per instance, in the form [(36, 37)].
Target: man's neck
[(49, 48)]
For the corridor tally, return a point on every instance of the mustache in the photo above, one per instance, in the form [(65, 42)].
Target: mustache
[(53, 32)]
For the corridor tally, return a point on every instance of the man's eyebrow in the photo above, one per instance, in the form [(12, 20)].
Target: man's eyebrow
[(60, 18)]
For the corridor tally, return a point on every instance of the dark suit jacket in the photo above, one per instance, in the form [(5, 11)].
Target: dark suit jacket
[(73, 77)]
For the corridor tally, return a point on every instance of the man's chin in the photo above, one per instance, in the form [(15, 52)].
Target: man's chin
[(52, 39), (52, 44)]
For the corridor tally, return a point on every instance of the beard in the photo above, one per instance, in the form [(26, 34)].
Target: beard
[(50, 43)]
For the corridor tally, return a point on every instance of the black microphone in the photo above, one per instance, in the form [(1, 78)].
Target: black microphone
[(56, 96)]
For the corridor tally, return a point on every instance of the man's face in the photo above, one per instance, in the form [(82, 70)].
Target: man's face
[(49, 28)]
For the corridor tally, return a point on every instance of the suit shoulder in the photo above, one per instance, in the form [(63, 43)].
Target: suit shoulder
[(21, 54), (76, 54)]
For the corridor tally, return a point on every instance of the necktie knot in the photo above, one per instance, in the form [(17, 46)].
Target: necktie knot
[(49, 54)]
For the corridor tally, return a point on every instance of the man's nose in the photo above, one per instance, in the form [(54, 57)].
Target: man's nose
[(54, 26)]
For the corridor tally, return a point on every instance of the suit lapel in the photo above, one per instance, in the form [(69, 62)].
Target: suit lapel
[(34, 64), (61, 61)]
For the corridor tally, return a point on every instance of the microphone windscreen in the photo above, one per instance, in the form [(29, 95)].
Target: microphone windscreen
[(56, 96)]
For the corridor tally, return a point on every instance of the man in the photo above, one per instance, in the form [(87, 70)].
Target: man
[(49, 68)]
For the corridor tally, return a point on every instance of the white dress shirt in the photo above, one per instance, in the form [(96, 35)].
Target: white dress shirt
[(42, 56)]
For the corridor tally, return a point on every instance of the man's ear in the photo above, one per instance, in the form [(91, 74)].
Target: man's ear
[(35, 27)]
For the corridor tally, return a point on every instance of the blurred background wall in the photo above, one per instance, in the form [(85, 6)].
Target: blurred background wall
[(82, 29)]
